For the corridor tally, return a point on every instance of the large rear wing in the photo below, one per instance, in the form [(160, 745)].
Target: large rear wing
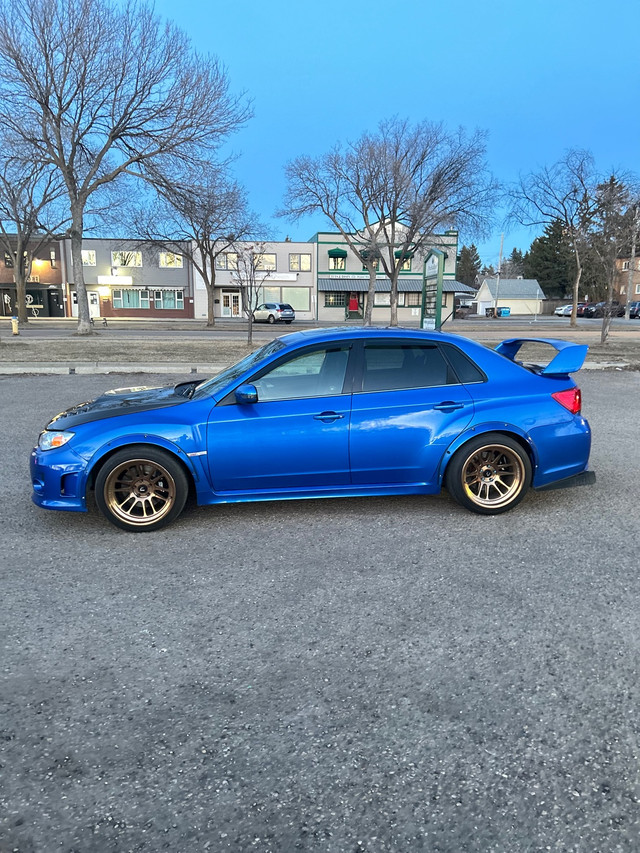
[(569, 358)]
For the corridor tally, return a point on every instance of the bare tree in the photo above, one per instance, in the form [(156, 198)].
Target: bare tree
[(200, 214), (250, 274), (614, 221), (564, 192), (390, 192), (30, 217), (100, 90)]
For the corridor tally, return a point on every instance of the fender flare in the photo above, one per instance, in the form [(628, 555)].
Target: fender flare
[(480, 429), (120, 442)]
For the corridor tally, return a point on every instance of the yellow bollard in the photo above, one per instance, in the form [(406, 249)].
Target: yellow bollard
[(14, 326)]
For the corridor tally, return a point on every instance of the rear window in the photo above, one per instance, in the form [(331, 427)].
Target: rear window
[(284, 306), (465, 369)]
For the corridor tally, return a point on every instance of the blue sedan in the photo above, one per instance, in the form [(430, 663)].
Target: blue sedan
[(328, 413)]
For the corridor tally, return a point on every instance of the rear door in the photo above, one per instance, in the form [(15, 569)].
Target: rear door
[(408, 407)]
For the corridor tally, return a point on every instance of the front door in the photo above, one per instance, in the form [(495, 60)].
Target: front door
[(230, 303), (94, 303), (294, 438)]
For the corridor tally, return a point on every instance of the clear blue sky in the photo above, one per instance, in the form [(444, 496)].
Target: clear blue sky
[(541, 76)]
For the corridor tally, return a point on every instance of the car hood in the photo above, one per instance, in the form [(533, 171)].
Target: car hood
[(122, 401)]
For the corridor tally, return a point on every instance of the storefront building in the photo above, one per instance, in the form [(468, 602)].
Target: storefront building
[(285, 272), (343, 281), (44, 291), (125, 278)]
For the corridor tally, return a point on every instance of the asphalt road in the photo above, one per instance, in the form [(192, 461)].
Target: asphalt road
[(346, 675)]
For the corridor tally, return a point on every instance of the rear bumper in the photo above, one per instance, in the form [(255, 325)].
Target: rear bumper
[(585, 478)]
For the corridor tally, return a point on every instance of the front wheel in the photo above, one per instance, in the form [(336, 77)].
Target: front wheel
[(272, 319), (141, 488), (489, 474)]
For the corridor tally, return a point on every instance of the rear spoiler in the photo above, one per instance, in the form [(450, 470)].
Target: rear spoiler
[(569, 359)]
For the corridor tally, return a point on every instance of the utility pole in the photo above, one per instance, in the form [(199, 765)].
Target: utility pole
[(495, 304), (634, 234)]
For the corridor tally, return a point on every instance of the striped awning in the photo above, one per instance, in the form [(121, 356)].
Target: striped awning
[(351, 284)]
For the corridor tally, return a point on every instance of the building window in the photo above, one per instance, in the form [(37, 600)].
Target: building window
[(266, 261), (88, 258), (412, 299), (8, 260), (130, 298), (335, 300), (406, 265), (227, 261), (337, 263), (169, 260), (382, 299), (299, 262), (376, 266), (126, 259), (168, 299), (637, 288)]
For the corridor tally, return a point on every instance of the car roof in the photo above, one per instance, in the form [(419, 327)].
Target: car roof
[(311, 336)]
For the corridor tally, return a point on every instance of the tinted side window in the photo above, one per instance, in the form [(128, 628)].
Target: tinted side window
[(401, 367), (316, 373), (465, 369)]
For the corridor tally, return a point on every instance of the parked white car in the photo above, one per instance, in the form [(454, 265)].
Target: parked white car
[(561, 309)]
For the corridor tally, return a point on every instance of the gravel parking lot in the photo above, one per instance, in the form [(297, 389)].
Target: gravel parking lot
[(345, 675)]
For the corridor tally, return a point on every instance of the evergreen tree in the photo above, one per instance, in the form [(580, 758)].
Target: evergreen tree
[(551, 262), (469, 265), (513, 266)]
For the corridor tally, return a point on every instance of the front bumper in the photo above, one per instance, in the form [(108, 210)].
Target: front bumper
[(58, 478)]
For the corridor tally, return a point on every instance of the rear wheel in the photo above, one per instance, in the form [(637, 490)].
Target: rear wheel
[(141, 488), (489, 474)]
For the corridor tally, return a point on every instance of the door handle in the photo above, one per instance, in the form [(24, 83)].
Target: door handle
[(327, 417), (448, 406)]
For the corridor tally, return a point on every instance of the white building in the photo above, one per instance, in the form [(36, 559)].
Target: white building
[(285, 270), (519, 295)]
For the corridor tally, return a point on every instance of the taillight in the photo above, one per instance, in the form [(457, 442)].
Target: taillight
[(571, 399)]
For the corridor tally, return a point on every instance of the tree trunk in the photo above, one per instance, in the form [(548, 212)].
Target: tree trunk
[(211, 320), (84, 320), (209, 278), (606, 314), (394, 298), (371, 295), (21, 274), (632, 262), (576, 289)]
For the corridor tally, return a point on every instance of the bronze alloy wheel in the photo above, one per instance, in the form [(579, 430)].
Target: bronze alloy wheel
[(490, 474), (140, 491), (141, 488)]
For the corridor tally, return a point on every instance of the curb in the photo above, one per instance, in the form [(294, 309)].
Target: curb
[(100, 367)]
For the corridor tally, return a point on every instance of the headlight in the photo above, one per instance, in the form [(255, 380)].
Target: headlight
[(49, 439)]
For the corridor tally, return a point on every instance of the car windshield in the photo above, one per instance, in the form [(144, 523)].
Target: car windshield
[(213, 385)]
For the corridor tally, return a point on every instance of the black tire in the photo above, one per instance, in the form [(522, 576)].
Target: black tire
[(272, 319), (141, 488), (489, 474), (288, 322)]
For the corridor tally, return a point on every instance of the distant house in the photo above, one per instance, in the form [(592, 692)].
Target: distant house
[(519, 295)]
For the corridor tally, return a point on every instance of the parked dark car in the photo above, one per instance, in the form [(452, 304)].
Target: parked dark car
[(634, 310), (598, 309)]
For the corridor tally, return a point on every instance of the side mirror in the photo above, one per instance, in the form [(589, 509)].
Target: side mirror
[(246, 394)]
